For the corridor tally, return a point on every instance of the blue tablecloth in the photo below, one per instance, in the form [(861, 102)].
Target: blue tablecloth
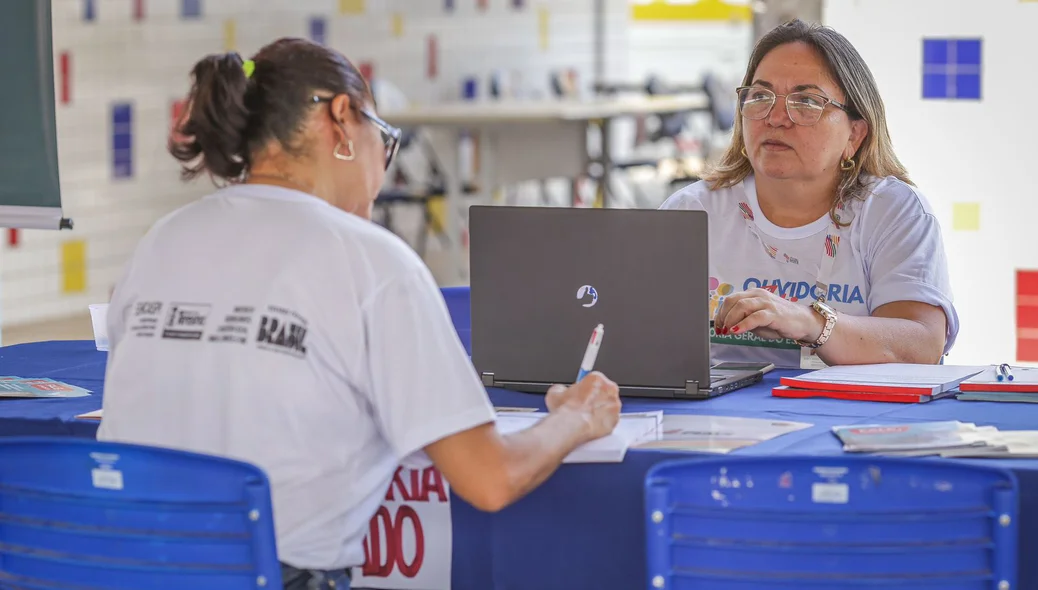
[(583, 527)]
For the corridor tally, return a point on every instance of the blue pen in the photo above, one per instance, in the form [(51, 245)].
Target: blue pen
[(588, 364)]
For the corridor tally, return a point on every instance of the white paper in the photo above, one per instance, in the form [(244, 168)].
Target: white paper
[(631, 429), (717, 434)]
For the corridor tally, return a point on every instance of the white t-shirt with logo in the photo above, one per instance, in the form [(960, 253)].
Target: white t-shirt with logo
[(263, 324), (892, 251)]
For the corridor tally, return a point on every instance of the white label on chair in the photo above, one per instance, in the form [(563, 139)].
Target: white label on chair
[(109, 479), (830, 493)]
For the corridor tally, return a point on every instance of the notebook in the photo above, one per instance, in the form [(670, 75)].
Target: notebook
[(891, 378), (1025, 380)]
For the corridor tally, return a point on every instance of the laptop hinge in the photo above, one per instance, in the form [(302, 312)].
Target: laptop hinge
[(488, 379), (691, 387)]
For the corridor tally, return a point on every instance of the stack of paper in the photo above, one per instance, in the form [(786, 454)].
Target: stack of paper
[(717, 434), (894, 382), (920, 438), (986, 387), (19, 387), (632, 428)]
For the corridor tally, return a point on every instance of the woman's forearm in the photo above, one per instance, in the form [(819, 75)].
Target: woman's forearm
[(861, 340)]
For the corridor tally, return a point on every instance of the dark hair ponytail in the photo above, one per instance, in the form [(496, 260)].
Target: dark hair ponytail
[(216, 120), (230, 116)]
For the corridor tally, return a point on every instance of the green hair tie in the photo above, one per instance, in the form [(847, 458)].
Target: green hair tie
[(248, 66)]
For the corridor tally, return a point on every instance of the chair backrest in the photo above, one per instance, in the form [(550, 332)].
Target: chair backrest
[(830, 522), (457, 299), (77, 513)]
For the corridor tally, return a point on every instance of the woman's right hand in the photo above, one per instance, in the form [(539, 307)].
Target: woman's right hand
[(595, 398)]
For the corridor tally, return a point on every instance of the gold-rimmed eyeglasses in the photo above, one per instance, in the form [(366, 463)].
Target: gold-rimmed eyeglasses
[(803, 108)]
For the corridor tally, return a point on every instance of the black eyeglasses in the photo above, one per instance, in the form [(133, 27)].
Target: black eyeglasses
[(390, 135)]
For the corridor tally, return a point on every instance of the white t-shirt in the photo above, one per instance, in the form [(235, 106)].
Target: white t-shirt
[(263, 324), (892, 251)]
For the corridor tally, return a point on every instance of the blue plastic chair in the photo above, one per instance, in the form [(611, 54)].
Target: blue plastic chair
[(76, 513), (741, 523), (457, 299)]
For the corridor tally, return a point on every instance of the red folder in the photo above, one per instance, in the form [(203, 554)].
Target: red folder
[(897, 397)]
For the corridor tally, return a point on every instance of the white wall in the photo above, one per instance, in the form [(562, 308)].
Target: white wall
[(963, 151), (147, 62)]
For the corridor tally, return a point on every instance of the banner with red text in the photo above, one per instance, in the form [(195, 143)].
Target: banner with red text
[(408, 546)]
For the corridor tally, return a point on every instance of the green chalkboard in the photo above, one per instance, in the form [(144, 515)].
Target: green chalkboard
[(30, 191)]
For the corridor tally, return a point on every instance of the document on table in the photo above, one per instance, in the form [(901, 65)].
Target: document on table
[(633, 428), (717, 434), (95, 415)]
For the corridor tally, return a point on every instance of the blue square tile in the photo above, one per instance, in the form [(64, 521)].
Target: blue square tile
[(318, 29), (89, 10), (190, 8), (967, 86), (935, 86), (967, 51), (935, 51)]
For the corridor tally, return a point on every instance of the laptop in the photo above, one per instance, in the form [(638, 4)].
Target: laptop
[(542, 278)]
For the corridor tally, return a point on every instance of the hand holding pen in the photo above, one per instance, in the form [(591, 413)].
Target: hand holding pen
[(593, 396)]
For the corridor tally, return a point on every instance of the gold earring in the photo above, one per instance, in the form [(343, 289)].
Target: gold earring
[(743, 152), (349, 146), (847, 165)]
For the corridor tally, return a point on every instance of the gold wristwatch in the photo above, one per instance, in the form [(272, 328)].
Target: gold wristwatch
[(829, 314)]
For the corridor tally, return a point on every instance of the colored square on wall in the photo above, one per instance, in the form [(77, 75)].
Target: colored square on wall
[(138, 10), (190, 8), (89, 10), (122, 140), (1027, 315), (230, 35), (952, 69), (543, 27), (398, 24), (65, 72), (367, 69), (318, 29), (448, 5), (351, 6), (966, 216), (432, 57), (73, 266)]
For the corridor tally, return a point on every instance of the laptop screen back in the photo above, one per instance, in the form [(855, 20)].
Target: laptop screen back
[(542, 278)]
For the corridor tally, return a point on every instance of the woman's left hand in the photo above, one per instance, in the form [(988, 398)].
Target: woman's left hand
[(768, 316)]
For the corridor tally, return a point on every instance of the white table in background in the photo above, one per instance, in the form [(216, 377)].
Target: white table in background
[(525, 140)]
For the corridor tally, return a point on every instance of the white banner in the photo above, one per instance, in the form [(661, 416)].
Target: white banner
[(408, 546)]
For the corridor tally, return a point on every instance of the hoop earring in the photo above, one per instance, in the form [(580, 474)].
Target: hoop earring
[(743, 152), (349, 146), (847, 165)]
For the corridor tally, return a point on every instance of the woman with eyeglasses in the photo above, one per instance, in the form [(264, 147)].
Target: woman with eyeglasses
[(821, 249), (272, 322)]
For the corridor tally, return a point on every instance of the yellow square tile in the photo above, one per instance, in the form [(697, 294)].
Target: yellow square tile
[(966, 216), (73, 266), (351, 6)]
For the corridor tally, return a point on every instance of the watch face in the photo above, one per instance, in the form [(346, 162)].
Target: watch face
[(824, 309)]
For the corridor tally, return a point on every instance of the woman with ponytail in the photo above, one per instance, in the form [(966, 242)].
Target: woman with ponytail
[(272, 322)]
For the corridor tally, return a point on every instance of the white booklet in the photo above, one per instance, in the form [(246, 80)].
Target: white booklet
[(633, 428)]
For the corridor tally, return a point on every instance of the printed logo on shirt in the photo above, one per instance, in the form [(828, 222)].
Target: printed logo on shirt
[(186, 321), (797, 290), (235, 326), (146, 318), (282, 330)]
